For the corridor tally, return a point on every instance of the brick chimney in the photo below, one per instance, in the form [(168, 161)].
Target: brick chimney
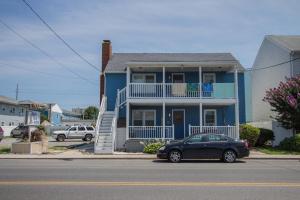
[(106, 56)]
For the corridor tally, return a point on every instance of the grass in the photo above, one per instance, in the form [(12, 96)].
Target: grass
[(276, 151), (4, 150), (58, 148)]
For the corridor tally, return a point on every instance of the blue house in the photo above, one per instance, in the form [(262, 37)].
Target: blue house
[(168, 96)]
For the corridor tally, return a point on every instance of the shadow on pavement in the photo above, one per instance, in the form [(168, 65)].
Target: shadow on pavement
[(197, 161)]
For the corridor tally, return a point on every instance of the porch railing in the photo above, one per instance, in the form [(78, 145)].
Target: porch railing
[(151, 132), (181, 90), (102, 109), (229, 131)]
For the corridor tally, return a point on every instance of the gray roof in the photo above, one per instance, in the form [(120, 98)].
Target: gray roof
[(290, 42), (118, 61), (8, 100)]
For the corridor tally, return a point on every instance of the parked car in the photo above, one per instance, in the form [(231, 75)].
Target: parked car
[(205, 146), (19, 131), (86, 133), (1, 134)]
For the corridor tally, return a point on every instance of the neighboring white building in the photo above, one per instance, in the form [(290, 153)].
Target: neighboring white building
[(274, 50), (12, 114)]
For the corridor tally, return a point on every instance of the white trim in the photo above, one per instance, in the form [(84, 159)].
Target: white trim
[(215, 113), (214, 75), (143, 116), (183, 75), (179, 109), (144, 76)]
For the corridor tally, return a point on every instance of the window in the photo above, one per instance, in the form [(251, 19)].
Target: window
[(210, 117), (217, 138), (89, 128), (143, 78), (178, 77), (209, 78), (143, 117), (73, 129), (81, 128), (198, 138), (2, 123)]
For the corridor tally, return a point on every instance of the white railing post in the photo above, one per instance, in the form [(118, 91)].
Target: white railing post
[(173, 136), (237, 119), (200, 81), (190, 129)]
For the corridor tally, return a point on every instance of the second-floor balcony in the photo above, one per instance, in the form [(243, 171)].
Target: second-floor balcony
[(182, 90)]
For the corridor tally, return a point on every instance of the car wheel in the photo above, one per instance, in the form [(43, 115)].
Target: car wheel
[(88, 137), (175, 156), (61, 138), (229, 156)]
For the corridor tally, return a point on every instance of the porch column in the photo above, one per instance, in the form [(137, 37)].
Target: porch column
[(200, 81), (237, 118), (127, 119), (164, 81), (127, 103), (164, 120), (200, 117)]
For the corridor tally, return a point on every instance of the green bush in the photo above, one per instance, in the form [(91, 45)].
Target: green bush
[(152, 148), (264, 136), (291, 144), (249, 133)]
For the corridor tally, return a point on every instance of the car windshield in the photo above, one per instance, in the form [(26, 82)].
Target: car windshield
[(67, 128)]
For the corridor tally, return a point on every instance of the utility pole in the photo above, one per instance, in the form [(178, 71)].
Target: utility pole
[(17, 91)]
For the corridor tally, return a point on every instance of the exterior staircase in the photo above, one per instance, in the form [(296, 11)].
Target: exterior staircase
[(104, 142), (106, 127)]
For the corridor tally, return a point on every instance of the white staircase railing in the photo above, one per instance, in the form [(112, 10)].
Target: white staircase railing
[(115, 119), (102, 109), (121, 96)]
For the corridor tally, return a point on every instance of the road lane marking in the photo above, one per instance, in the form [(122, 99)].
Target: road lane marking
[(151, 184)]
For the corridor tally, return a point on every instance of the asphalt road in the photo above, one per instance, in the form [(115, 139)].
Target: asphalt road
[(147, 179)]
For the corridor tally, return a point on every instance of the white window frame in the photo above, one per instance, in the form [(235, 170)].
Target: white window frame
[(210, 74), (143, 115), (183, 75), (144, 76), (215, 113)]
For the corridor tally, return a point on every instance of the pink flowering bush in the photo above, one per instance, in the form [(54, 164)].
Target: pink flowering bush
[(285, 101)]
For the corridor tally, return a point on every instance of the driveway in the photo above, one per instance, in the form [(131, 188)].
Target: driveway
[(6, 142)]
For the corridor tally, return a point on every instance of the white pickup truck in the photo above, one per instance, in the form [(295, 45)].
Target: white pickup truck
[(86, 133)]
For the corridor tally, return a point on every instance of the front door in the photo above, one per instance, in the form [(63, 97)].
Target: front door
[(178, 121)]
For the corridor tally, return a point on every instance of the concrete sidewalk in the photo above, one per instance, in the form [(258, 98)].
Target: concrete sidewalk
[(75, 154)]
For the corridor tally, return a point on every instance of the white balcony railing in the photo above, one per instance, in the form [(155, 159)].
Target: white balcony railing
[(151, 132), (181, 90), (229, 131)]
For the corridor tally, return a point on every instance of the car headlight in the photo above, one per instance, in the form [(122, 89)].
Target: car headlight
[(162, 148)]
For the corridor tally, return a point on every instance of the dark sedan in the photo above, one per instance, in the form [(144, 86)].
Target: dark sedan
[(205, 146)]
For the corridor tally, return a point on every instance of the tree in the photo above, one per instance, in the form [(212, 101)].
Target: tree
[(285, 101), (91, 112)]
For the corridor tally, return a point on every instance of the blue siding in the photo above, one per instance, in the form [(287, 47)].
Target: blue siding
[(225, 114), (113, 82)]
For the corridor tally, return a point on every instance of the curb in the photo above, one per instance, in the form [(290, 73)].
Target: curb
[(128, 158)]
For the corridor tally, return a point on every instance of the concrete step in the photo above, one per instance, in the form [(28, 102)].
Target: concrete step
[(105, 134), (103, 150), (105, 137), (104, 145)]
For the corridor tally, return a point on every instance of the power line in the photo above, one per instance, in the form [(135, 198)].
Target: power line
[(59, 37), (53, 75), (45, 53), (275, 65)]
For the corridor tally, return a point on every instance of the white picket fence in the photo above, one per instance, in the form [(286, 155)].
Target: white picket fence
[(151, 132), (229, 131)]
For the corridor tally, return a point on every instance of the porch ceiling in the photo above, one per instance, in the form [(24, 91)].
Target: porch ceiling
[(185, 102), (181, 68)]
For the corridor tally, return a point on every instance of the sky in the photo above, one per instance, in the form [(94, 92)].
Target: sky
[(235, 26)]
